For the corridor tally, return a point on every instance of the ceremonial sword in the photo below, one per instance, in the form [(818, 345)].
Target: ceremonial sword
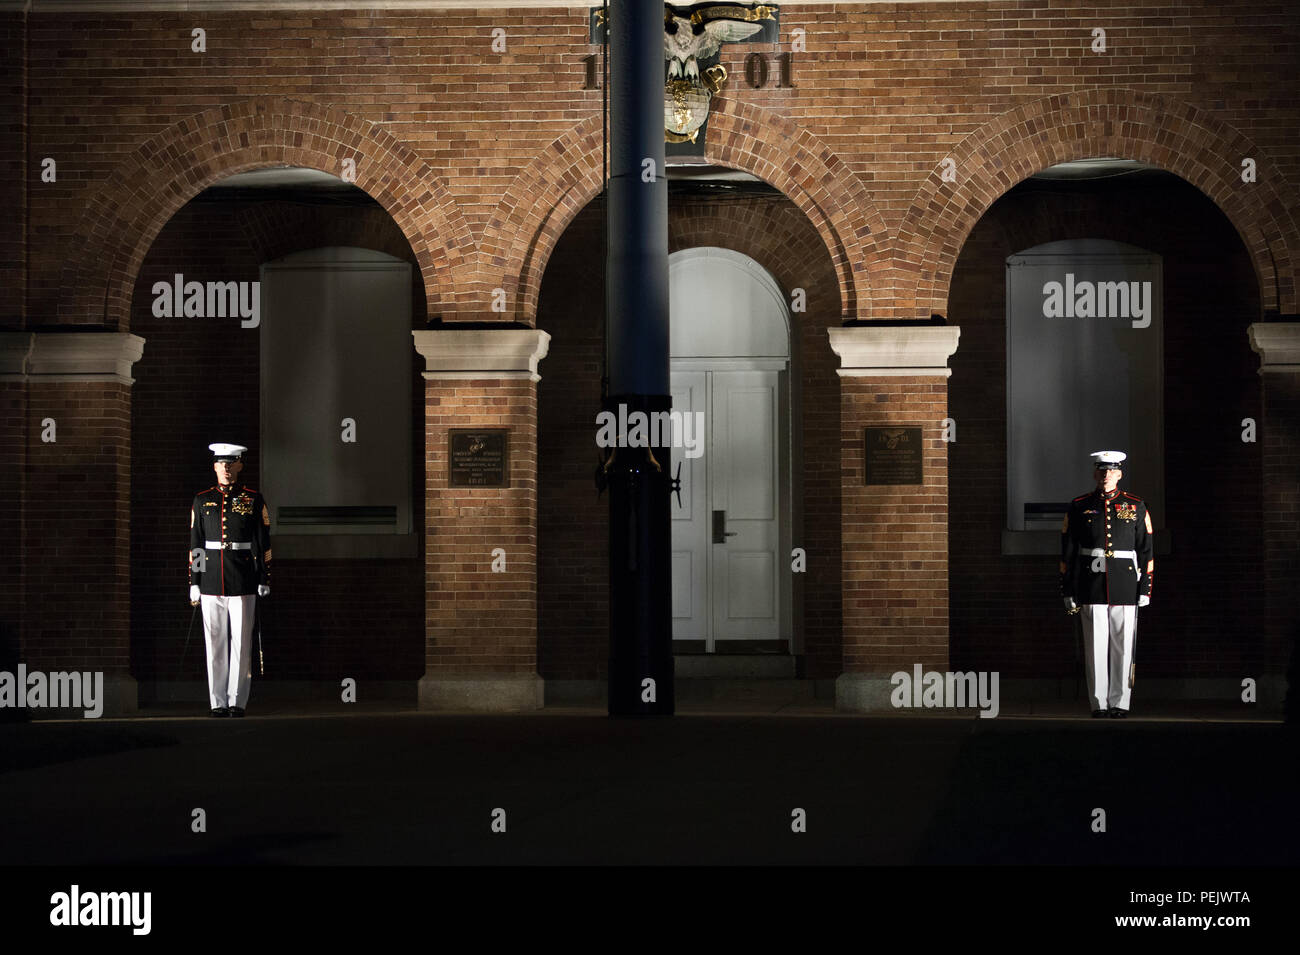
[(188, 634), (1133, 660), (261, 666)]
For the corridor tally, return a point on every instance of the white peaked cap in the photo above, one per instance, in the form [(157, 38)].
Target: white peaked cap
[(222, 450), (1108, 458)]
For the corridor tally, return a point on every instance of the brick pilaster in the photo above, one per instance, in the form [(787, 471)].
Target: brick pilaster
[(480, 624), (895, 537), (1278, 345), (75, 550)]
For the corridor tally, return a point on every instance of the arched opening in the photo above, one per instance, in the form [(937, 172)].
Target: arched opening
[(1183, 416), (730, 363), (337, 291), (727, 230)]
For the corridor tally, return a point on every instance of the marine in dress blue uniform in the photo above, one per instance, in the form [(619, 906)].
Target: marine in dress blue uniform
[(1107, 566), (231, 526)]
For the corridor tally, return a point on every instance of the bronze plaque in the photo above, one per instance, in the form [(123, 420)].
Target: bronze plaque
[(893, 456), (478, 457)]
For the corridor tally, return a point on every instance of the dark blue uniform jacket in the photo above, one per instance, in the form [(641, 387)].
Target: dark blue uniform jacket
[(232, 514), (1118, 522)]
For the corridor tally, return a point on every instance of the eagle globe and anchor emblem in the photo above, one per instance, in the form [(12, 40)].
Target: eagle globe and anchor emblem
[(693, 38)]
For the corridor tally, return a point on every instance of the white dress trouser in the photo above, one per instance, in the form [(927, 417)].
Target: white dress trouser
[(1108, 632), (228, 683)]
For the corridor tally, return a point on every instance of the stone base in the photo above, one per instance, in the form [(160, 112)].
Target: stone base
[(863, 693), (870, 692), (491, 693), (121, 694), (562, 692), (397, 692), (120, 698), (1270, 690)]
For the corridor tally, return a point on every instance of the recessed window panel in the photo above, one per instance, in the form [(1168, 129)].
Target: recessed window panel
[(1085, 372)]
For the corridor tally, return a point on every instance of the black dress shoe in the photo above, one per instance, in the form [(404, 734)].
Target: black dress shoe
[(220, 711), (1099, 714), (1119, 714), (236, 711)]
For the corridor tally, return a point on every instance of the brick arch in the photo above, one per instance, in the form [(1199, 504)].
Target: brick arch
[(558, 183), (1168, 133), (795, 257), (125, 213)]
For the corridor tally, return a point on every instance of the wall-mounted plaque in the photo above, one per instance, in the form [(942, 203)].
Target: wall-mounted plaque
[(893, 456), (478, 457)]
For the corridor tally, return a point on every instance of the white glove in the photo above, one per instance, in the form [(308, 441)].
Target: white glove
[(1143, 600), (1070, 604), (263, 590), (194, 593)]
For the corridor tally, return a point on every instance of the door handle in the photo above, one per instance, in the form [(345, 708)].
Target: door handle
[(720, 532)]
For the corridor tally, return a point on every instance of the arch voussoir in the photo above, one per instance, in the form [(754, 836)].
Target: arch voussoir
[(566, 175), (1170, 134), (125, 213)]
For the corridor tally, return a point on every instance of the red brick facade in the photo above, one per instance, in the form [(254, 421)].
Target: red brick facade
[(480, 618), (895, 538), (485, 166)]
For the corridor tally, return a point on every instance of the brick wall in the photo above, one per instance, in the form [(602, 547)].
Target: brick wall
[(1281, 464), (13, 489), (895, 537), (483, 159), (573, 525), (13, 171), (479, 621), (76, 549), (456, 141)]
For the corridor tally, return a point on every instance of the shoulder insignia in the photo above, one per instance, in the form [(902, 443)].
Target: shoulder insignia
[(1131, 497), (1082, 497)]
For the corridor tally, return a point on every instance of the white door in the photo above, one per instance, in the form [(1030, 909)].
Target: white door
[(690, 533), (726, 534)]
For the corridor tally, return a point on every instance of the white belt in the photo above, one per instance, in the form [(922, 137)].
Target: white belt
[(228, 545), (1099, 552)]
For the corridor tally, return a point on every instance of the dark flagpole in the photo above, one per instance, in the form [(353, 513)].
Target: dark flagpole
[(636, 279)]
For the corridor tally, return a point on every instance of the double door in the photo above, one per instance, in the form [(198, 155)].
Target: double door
[(726, 535)]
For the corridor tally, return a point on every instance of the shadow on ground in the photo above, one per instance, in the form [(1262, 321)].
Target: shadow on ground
[(1172, 794)]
